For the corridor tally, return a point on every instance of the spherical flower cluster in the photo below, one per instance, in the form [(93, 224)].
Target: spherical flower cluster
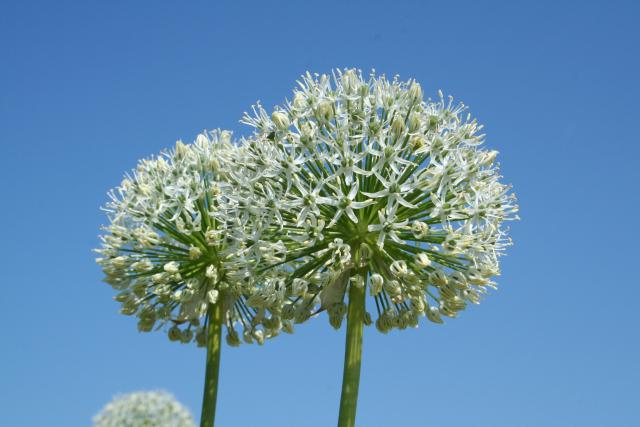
[(144, 409), (175, 244), (364, 183)]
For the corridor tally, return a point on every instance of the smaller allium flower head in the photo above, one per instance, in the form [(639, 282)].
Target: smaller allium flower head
[(144, 409), (175, 244), (379, 188)]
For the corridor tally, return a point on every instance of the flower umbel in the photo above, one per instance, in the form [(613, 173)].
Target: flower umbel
[(142, 409), (174, 246), (402, 183)]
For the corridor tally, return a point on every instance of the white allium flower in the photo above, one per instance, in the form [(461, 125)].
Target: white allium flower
[(363, 177), (176, 242), (144, 409)]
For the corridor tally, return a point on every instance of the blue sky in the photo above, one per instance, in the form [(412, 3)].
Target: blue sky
[(87, 88)]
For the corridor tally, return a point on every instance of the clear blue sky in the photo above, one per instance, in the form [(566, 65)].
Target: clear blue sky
[(89, 87)]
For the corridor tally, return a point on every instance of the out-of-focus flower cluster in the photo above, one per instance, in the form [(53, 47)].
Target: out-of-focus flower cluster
[(176, 240), (365, 183), (144, 409)]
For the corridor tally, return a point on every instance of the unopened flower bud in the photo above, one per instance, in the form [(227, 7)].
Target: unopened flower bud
[(120, 261), (417, 142), (433, 122), (225, 136), (382, 325), (458, 279), (415, 92), (273, 323), (186, 336), (367, 318), (232, 338), (172, 267), (211, 273), (299, 287), (181, 149), (433, 314), (474, 276), (281, 120), (423, 260), (397, 125), (146, 324), (393, 287), (349, 81), (446, 309), (258, 335), (324, 111), (438, 277), (418, 304), (414, 122), (365, 254), (195, 252), (174, 333), (489, 157), (399, 268), (213, 295), (122, 296), (375, 285), (299, 100), (288, 311), (456, 303), (129, 307), (287, 326)]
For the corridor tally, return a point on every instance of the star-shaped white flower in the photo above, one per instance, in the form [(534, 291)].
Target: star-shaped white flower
[(345, 202), (388, 226), (308, 200), (393, 190), (347, 163)]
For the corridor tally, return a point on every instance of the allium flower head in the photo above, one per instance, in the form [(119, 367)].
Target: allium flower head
[(144, 409), (376, 187), (176, 241)]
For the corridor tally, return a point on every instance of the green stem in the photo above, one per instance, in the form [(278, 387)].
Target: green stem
[(214, 333), (352, 358)]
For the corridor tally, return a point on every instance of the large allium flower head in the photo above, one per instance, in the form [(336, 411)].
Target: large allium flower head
[(144, 409), (377, 187), (176, 241)]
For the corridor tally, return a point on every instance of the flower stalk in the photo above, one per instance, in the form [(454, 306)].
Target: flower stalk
[(352, 357), (212, 374)]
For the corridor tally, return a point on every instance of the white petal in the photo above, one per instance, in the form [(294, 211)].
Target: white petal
[(352, 215), (377, 194), (360, 205), (354, 190)]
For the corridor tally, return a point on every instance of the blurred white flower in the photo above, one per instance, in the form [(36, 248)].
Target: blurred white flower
[(144, 409)]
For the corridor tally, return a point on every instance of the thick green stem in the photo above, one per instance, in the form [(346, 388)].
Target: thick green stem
[(352, 358), (214, 332)]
